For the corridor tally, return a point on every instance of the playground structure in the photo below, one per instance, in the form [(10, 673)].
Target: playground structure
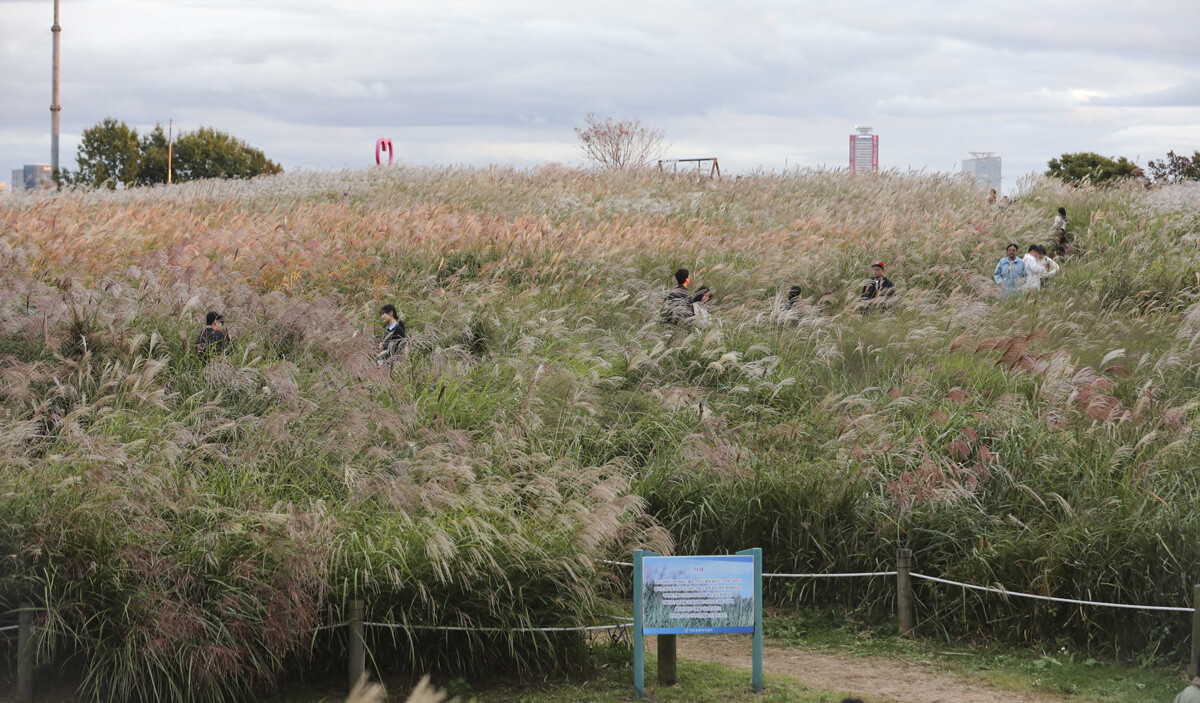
[(714, 171)]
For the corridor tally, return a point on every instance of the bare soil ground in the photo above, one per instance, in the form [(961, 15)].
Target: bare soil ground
[(876, 679)]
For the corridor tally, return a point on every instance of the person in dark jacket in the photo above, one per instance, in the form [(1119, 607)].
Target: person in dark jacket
[(394, 340), (878, 286), (677, 308), (791, 310), (213, 337)]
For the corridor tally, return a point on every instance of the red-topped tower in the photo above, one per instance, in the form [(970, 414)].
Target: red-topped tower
[(864, 150)]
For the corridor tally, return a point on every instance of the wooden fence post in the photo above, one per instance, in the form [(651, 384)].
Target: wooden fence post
[(666, 660), (357, 645), (1192, 671), (904, 592), (25, 651)]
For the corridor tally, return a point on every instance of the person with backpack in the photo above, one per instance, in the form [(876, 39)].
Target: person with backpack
[(677, 308)]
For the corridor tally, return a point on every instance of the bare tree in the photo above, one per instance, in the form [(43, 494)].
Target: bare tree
[(619, 145)]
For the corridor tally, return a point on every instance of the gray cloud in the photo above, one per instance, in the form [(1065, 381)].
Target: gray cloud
[(762, 83)]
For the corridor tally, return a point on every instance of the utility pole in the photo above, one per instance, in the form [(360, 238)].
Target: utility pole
[(55, 108), (170, 143)]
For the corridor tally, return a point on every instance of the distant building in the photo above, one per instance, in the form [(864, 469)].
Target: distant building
[(984, 167), (864, 150), (30, 176)]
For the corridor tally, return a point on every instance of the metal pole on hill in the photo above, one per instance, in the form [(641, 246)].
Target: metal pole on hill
[(55, 108), (904, 592), (358, 648), (25, 654), (1194, 664)]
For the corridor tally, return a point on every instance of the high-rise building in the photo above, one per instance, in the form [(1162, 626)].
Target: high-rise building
[(984, 168), (864, 150), (30, 176)]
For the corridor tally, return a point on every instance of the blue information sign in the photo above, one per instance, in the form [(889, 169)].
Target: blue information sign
[(697, 595)]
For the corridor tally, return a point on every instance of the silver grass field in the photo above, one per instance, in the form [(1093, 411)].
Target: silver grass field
[(186, 525)]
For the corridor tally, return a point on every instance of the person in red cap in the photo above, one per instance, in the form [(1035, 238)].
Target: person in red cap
[(878, 286)]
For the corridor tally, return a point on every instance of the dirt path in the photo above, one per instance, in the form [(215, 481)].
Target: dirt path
[(875, 678)]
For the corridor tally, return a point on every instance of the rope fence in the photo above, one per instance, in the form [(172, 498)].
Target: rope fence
[(448, 628), (828, 576), (357, 623), (906, 600), (1000, 590), (1006, 592)]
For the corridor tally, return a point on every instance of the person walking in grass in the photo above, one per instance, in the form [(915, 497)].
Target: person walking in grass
[(1060, 231), (677, 308), (1010, 272), (795, 296), (395, 339), (213, 337), (700, 315), (1038, 266), (877, 289)]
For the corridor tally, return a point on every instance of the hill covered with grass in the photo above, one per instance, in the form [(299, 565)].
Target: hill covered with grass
[(187, 523)]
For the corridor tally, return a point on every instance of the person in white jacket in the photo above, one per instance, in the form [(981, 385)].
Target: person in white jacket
[(701, 317), (1038, 266)]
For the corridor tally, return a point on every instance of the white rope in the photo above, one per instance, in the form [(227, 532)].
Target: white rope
[(448, 628), (828, 576), (948, 582), (9, 628), (1051, 598)]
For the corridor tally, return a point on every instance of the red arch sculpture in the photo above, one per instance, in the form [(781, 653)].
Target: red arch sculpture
[(381, 145)]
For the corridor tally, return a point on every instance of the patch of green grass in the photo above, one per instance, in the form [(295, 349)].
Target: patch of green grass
[(1058, 670)]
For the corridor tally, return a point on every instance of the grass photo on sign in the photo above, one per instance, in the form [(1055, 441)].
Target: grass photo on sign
[(692, 595)]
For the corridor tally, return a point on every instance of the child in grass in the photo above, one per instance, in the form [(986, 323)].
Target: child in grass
[(700, 315), (1060, 232), (395, 339), (213, 337)]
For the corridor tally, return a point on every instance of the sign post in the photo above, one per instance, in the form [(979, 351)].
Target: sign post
[(696, 595)]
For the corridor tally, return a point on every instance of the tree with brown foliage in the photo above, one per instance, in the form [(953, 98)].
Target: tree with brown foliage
[(1175, 168), (619, 145)]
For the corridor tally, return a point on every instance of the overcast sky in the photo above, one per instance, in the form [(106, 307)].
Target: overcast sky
[(759, 84)]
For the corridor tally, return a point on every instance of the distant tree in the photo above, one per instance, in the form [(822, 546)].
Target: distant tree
[(154, 157), (619, 145), (1076, 168), (208, 153), (108, 155), (1175, 169)]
